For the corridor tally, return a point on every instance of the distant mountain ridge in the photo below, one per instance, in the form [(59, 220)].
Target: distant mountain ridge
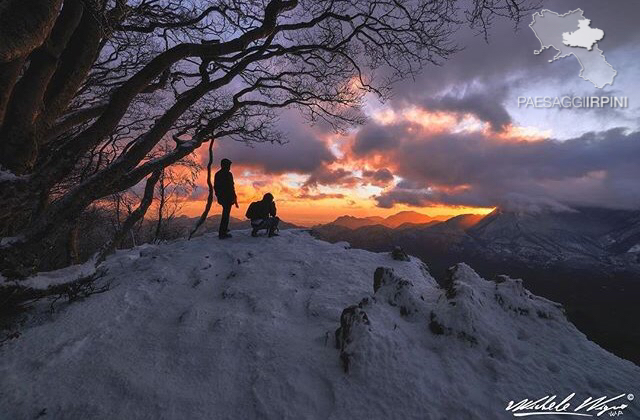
[(584, 236), (407, 218)]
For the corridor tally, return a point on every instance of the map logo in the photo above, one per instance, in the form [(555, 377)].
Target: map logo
[(571, 34)]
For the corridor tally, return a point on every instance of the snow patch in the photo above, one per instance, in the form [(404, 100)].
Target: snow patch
[(246, 328), (635, 248), (7, 175), (47, 279)]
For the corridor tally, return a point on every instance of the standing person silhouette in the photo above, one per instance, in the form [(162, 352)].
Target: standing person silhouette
[(226, 195)]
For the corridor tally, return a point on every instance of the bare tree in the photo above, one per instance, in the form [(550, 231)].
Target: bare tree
[(88, 88), (134, 217), (176, 183)]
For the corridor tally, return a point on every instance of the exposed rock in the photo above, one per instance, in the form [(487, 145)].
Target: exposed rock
[(398, 254), (352, 317), (395, 290)]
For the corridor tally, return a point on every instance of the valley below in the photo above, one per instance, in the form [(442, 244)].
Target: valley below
[(585, 260)]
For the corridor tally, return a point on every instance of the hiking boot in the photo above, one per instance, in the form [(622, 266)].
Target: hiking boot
[(225, 236), (254, 232), (272, 234)]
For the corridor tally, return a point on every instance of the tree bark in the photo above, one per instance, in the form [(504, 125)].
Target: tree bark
[(72, 70), (19, 137), (18, 203), (24, 26), (9, 73), (44, 248)]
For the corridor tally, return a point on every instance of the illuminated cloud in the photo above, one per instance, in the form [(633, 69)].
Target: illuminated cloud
[(473, 169)]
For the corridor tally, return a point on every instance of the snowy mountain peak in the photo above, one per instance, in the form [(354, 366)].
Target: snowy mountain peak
[(293, 327)]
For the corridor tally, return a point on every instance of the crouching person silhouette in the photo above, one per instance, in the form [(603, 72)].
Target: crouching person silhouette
[(263, 215), (226, 195)]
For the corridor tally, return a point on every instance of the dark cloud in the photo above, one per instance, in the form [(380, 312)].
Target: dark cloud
[(388, 199), (260, 184), (475, 170), (379, 138), (486, 105), (380, 177), (304, 151), (333, 177), (341, 177), (510, 201)]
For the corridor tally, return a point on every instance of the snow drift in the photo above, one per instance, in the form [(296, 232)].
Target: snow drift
[(296, 328)]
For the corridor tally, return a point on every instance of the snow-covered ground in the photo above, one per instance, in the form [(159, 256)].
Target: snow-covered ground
[(245, 329)]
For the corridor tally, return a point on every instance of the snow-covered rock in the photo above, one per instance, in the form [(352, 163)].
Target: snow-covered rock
[(265, 328), (7, 175)]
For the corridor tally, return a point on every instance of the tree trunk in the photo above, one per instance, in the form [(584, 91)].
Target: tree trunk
[(161, 203), (9, 73), (72, 70), (44, 244), (207, 207), (19, 202), (73, 256), (24, 26), (133, 218), (19, 136)]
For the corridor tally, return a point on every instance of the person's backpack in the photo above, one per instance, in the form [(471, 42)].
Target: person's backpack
[(252, 210)]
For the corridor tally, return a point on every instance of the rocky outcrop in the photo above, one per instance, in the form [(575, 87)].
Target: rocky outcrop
[(467, 308)]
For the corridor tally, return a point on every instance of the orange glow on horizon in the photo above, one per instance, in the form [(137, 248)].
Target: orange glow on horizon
[(326, 205), (307, 214), (341, 187)]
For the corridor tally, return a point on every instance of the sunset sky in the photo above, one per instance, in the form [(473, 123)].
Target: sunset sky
[(454, 141)]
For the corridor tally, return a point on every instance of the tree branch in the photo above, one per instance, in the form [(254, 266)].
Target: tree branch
[(132, 219)]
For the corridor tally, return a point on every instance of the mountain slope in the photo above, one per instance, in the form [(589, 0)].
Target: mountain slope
[(412, 217), (584, 236), (352, 222), (401, 219), (626, 238), (245, 329), (581, 239)]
